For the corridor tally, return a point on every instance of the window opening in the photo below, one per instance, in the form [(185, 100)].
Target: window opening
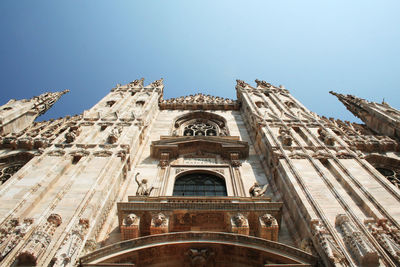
[(199, 184), (199, 129)]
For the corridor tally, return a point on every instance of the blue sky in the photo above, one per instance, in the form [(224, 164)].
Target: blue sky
[(311, 47)]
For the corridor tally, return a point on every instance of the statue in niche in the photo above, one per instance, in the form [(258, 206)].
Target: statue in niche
[(143, 189), (257, 190)]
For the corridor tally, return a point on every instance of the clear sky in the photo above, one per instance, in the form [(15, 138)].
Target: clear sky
[(311, 47)]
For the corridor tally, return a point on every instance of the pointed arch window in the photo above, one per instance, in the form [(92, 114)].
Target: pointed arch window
[(199, 184)]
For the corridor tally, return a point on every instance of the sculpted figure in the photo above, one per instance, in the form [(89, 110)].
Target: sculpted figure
[(159, 219), (257, 191), (268, 219), (143, 189), (239, 220)]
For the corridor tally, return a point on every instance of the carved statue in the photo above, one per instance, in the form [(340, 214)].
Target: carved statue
[(143, 189), (159, 219), (130, 219), (239, 220), (257, 191), (114, 135), (241, 83), (71, 135), (327, 243), (263, 83), (285, 137), (326, 137), (268, 219)]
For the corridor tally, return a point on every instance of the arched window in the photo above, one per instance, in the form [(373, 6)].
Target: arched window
[(11, 164), (199, 184), (200, 123), (387, 166)]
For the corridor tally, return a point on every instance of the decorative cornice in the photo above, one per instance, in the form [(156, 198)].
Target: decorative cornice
[(199, 102), (223, 145)]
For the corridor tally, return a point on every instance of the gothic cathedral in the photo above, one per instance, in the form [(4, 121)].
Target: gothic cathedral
[(139, 180)]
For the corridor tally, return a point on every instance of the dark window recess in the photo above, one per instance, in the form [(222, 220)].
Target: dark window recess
[(110, 103), (199, 184), (76, 159), (139, 103)]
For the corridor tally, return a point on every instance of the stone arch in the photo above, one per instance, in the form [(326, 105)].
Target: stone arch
[(200, 183), (198, 249), (10, 164), (200, 123)]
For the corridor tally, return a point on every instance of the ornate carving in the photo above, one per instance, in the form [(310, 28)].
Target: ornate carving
[(11, 234), (69, 249), (387, 235), (46, 101), (263, 84), (8, 170), (284, 137), (130, 219), (137, 82), (130, 226), (159, 220), (157, 83), (362, 250), (268, 227), (164, 159), (71, 135), (199, 257), (39, 241), (235, 162), (25, 143), (90, 246), (115, 134), (239, 220), (326, 137), (242, 84), (268, 220), (197, 101), (143, 189), (326, 242), (257, 191)]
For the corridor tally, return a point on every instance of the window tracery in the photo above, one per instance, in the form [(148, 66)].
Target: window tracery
[(8, 170), (11, 164), (200, 128), (200, 124), (392, 175)]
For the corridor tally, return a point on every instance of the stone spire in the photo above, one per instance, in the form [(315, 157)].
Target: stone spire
[(381, 118), (45, 101), (17, 115)]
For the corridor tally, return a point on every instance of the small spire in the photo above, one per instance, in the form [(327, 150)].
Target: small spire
[(45, 101)]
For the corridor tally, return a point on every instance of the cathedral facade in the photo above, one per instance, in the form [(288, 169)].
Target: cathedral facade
[(139, 180)]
